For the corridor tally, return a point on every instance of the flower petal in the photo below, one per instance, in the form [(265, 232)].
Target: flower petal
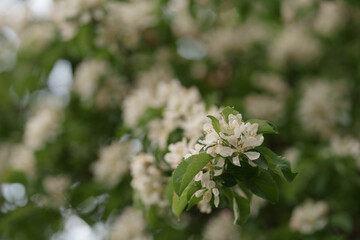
[(252, 155)]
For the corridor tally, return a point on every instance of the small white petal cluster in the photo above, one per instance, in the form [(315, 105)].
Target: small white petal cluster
[(271, 104), (22, 158), (125, 21), (225, 40), (182, 108), (56, 187), (294, 44), (235, 137), (323, 106), (309, 217), (87, 77), (330, 17), (129, 225), (42, 126), (209, 189), (177, 151), (346, 146), (112, 163), (221, 227), (148, 180), (68, 15)]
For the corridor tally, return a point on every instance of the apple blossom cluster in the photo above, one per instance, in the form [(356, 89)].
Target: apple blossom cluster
[(148, 180), (309, 217)]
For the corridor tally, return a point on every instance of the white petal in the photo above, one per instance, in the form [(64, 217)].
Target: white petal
[(236, 161), (220, 162), (199, 193), (215, 191), (198, 176), (252, 155), (224, 151), (216, 201)]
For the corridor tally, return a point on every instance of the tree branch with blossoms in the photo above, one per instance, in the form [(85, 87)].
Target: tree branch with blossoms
[(228, 163)]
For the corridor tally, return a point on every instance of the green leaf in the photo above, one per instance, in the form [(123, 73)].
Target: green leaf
[(193, 201), (243, 173), (264, 186), (277, 164), (179, 203), (187, 170), (148, 115), (261, 162), (227, 111), (215, 123), (169, 191), (241, 206), (265, 127)]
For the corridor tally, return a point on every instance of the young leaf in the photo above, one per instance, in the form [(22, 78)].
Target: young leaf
[(278, 164), (241, 206), (265, 127), (193, 201), (179, 203), (227, 111), (187, 170), (169, 191), (243, 173), (264, 186), (215, 123)]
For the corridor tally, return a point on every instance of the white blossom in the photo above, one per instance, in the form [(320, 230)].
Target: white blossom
[(345, 146), (125, 21), (87, 76), (129, 225), (323, 106), (148, 180), (22, 158), (56, 187), (294, 44), (176, 153), (112, 163), (235, 136), (330, 17), (309, 217), (221, 227), (42, 126)]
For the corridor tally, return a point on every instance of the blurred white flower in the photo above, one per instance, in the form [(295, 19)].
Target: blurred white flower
[(125, 21), (323, 106), (345, 146), (87, 77), (56, 187), (148, 180), (309, 217), (176, 153), (43, 125), (130, 225), (221, 227), (294, 44), (330, 17), (112, 163), (22, 158)]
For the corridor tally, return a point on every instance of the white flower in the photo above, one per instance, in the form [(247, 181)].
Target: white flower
[(323, 106), (148, 180), (177, 152), (112, 163), (129, 225), (221, 227), (309, 217), (235, 136), (87, 77)]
